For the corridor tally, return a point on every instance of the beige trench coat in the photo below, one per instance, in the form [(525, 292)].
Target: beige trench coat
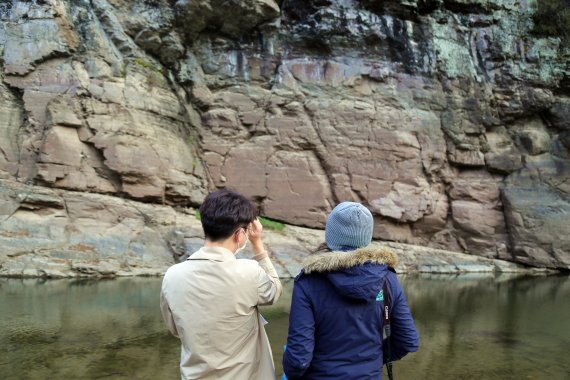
[(210, 302)]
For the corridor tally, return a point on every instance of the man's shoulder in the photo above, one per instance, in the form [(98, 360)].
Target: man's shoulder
[(248, 264), (176, 269), (242, 270)]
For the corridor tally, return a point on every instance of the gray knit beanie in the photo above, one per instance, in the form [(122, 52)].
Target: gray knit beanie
[(349, 227)]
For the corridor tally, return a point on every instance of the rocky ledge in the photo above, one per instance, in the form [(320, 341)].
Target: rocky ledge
[(58, 233)]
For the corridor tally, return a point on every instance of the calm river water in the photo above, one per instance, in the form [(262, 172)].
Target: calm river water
[(471, 327)]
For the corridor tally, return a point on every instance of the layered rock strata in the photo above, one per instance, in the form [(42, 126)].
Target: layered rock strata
[(448, 119), (60, 234)]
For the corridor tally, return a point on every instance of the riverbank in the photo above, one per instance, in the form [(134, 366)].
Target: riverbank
[(65, 234)]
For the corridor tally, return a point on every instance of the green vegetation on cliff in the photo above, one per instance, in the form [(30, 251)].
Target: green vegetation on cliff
[(271, 224)]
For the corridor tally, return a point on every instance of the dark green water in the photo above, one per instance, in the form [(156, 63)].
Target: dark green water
[(471, 327)]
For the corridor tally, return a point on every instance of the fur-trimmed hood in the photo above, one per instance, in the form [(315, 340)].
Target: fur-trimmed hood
[(357, 274), (334, 261)]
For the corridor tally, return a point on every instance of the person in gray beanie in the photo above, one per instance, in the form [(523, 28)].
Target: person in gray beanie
[(349, 226), (339, 300)]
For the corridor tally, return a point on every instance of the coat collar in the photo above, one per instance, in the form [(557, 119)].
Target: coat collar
[(213, 253), (334, 261)]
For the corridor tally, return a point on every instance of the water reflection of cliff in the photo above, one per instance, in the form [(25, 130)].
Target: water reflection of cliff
[(481, 327), (83, 329), (471, 327)]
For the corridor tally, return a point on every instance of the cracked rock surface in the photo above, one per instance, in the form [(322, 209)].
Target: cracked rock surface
[(57, 233), (449, 120)]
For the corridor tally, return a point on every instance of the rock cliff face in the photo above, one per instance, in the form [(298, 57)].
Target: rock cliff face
[(448, 118)]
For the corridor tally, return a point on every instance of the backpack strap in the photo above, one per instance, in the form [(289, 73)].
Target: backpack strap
[(386, 329)]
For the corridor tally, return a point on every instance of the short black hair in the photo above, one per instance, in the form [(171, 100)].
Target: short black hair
[(223, 212)]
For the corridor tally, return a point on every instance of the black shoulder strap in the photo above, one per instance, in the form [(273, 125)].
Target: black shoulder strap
[(387, 331)]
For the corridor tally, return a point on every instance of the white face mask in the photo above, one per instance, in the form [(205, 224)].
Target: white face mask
[(239, 249)]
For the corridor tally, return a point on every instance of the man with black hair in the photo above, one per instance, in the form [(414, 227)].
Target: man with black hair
[(210, 301)]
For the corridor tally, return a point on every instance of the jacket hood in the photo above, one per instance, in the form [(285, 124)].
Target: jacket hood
[(357, 274)]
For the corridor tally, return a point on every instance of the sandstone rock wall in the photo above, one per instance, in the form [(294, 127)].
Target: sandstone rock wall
[(54, 233), (449, 119)]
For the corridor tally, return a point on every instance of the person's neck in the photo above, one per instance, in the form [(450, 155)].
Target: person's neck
[(227, 244)]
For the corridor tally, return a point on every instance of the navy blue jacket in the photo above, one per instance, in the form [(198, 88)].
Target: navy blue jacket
[(335, 325)]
